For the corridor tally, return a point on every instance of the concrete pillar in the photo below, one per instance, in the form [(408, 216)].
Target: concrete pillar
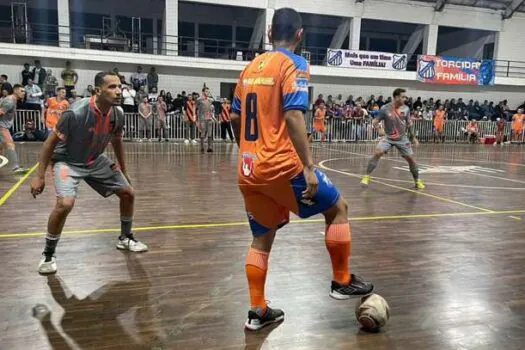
[(155, 36), (269, 15), (430, 39), (170, 37), (355, 34), (64, 36)]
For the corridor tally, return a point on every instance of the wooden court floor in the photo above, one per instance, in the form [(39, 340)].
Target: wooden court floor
[(450, 260)]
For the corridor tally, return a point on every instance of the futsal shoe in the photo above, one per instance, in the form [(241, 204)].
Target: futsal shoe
[(47, 267), (356, 287), (420, 185), (256, 322), (131, 244), (20, 171), (365, 180)]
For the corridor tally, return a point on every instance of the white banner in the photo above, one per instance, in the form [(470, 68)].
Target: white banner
[(366, 59)]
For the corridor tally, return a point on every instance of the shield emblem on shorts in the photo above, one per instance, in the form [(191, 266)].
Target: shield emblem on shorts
[(247, 163)]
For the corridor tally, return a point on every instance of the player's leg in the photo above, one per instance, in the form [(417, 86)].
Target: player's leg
[(66, 185), (382, 148), (202, 134), (329, 202), (10, 151), (106, 178), (209, 134), (405, 148), (265, 217)]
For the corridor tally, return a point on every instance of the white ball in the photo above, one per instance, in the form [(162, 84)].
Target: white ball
[(372, 312)]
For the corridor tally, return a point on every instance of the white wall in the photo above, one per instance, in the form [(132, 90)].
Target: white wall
[(176, 79), (510, 42)]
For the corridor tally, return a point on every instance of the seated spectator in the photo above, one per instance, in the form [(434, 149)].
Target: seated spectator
[(5, 85), (473, 131)]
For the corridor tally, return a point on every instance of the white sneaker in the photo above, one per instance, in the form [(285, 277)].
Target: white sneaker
[(20, 171), (132, 245), (194, 142), (186, 142), (47, 267)]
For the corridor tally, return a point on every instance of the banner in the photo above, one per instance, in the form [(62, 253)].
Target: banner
[(455, 71), (366, 59)]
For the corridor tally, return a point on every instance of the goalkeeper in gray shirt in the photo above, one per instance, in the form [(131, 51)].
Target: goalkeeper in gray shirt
[(205, 118), (396, 132)]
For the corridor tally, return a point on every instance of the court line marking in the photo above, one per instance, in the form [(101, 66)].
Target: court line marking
[(442, 184), (3, 161), (245, 223), (443, 199), (474, 161), (515, 218), (15, 187)]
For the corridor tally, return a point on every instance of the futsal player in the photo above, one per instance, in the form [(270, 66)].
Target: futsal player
[(517, 125), (7, 114), (439, 124), (75, 149), (396, 132), (55, 107), (319, 121), (500, 128), (276, 169), (204, 109)]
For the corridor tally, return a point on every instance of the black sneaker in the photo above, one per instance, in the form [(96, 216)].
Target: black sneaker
[(202, 150), (356, 287), (256, 322), (210, 150)]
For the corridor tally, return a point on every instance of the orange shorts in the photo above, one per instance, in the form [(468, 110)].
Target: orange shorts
[(320, 127), (269, 205), (439, 128)]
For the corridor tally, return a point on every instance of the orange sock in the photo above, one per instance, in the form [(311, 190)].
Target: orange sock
[(338, 241), (256, 267)]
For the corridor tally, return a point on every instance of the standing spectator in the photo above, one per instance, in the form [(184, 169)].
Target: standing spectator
[(139, 79), (141, 95), (161, 112), (190, 118), (26, 74), (5, 85), (34, 94), (120, 76), (339, 100), (50, 84), (350, 101), (320, 99), (145, 117), (53, 109), (128, 99), (39, 75), (69, 78), (380, 102), (418, 103), (152, 99), (153, 79), (205, 118), (88, 92), (169, 102), (226, 121)]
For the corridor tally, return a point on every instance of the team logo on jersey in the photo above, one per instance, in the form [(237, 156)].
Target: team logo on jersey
[(308, 202), (261, 66), (247, 163), (427, 69)]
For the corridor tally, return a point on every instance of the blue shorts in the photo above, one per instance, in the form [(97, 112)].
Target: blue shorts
[(269, 205)]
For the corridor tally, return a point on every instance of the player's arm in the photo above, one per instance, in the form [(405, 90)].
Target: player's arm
[(118, 148), (376, 124), (38, 184), (410, 130)]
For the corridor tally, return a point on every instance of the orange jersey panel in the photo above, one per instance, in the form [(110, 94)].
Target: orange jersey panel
[(517, 121), (272, 84), (54, 111)]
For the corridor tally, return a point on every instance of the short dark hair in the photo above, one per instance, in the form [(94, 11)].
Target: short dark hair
[(17, 86), (204, 88), (398, 92), (60, 88), (99, 78), (5, 76), (285, 23)]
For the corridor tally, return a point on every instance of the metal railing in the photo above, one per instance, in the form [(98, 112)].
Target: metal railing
[(337, 130), (98, 38)]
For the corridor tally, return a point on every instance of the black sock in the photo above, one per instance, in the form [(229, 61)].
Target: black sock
[(51, 244), (415, 171), (125, 227)]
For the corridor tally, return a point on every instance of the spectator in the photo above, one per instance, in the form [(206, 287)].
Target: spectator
[(128, 99), (169, 103), (190, 118), (339, 100), (5, 85), (139, 79), (226, 121), (121, 77), (161, 112), (153, 79), (26, 74), (517, 125), (319, 100), (473, 131), (145, 117), (329, 102), (34, 94), (152, 99), (418, 103), (205, 118), (371, 102), (70, 79), (39, 75), (88, 92), (380, 102), (51, 83), (350, 101), (141, 95)]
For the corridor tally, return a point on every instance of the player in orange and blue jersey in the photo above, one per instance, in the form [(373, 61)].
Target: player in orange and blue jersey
[(276, 169)]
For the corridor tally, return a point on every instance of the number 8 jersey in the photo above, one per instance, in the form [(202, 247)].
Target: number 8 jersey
[(272, 84)]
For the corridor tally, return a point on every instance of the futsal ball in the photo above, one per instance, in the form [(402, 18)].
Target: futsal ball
[(372, 312)]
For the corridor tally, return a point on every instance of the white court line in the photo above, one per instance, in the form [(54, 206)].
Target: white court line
[(3, 161), (476, 161), (515, 218)]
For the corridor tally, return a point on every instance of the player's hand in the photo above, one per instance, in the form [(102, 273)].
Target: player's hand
[(415, 142), (312, 182), (381, 132), (125, 173), (37, 186)]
